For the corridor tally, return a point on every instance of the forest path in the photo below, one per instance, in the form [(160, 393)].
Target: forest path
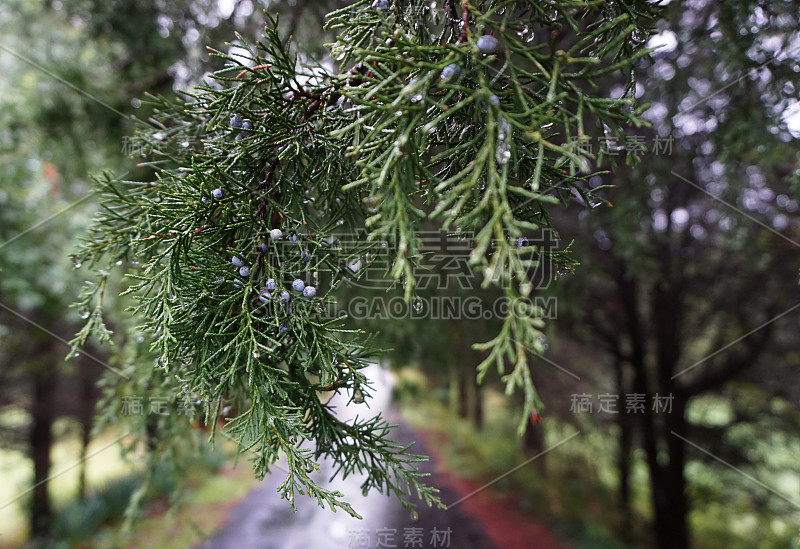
[(262, 520)]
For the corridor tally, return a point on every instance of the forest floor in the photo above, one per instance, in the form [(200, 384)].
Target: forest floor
[(499, 513), (230, 510), (476, 519), (485, 519)]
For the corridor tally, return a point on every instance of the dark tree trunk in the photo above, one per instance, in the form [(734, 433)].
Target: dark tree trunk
[(477, 404), (624, 460), (671, 513), (463, 396), (151, 432), (533, 442), (672, 504), (671, 507), (41, 442), (86, 414)]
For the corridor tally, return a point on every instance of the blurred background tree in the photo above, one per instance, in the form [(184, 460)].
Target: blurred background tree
[(75, 73), (690, 280), (687, 287)]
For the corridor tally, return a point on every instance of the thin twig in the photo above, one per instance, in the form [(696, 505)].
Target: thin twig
[(464, 22), (262, 205)]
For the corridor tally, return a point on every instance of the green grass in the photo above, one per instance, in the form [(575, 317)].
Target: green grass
[(200, 513), (16, 472), (97, 521)]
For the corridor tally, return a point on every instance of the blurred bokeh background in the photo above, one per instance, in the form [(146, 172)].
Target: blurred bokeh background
[(672, 350)]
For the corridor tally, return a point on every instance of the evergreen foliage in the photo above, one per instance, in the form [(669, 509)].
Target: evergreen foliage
[(472, 115)]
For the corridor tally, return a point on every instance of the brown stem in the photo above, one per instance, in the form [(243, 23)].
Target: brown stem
[(262, 205), (464, 22)]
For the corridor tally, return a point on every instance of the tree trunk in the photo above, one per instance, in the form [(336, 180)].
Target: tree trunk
[(151, 432), (463, 396), (666, 496), (624, 461), (533, 442), (41, 442), (672, 505), (453, 392), (86, 415), (477, 404), (671, 508)]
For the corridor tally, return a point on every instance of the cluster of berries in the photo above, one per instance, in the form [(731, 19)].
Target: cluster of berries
[(238, 123), (486, 44), (269, 291)]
